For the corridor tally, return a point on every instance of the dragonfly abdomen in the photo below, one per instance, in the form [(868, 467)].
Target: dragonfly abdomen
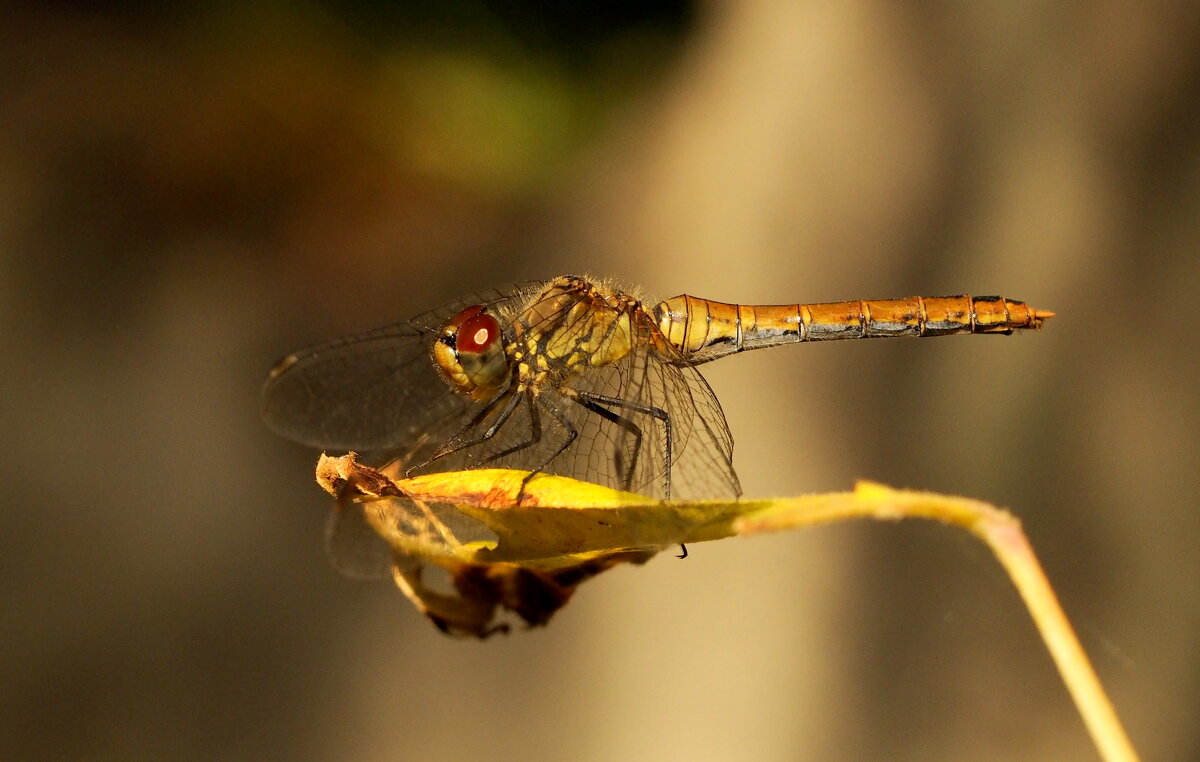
[(705, 330)]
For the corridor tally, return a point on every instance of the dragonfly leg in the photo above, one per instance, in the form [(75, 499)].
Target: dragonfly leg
[(456, 443), (650, 410), (535, 436), (572, 433), (626, 472), (594, 403)]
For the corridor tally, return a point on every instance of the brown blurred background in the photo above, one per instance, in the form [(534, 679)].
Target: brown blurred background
[(185, 197)]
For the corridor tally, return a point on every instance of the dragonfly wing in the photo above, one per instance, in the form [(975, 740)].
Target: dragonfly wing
[(703, 466), (357, 550), (371, 391), (633, 452), (505, 302), (376, 390), (354, 548)]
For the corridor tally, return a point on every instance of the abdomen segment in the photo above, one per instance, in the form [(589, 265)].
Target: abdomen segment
[(705, 330)]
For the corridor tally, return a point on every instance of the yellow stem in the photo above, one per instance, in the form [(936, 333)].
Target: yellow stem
[(1002, 533)]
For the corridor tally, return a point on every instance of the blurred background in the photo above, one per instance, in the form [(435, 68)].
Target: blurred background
[(187, 196)]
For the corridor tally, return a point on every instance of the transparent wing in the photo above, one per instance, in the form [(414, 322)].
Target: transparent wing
[(708, 462), (505, 302), (365, 392), (354, 548), (373, 391), (358, 551), (651, 383)]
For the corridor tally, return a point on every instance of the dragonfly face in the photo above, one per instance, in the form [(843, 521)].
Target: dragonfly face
[(470, 355)]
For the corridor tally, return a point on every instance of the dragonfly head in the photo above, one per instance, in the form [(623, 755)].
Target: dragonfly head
[(469, 352)]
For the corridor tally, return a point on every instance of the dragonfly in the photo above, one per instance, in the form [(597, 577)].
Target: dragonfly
[(575, 377)]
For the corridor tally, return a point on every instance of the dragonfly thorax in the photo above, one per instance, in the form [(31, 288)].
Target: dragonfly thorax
[(470, 355)]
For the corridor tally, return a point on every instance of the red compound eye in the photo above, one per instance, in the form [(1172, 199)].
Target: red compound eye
[(477, 330)]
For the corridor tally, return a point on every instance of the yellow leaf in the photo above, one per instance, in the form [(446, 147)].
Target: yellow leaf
[(522, 543)]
